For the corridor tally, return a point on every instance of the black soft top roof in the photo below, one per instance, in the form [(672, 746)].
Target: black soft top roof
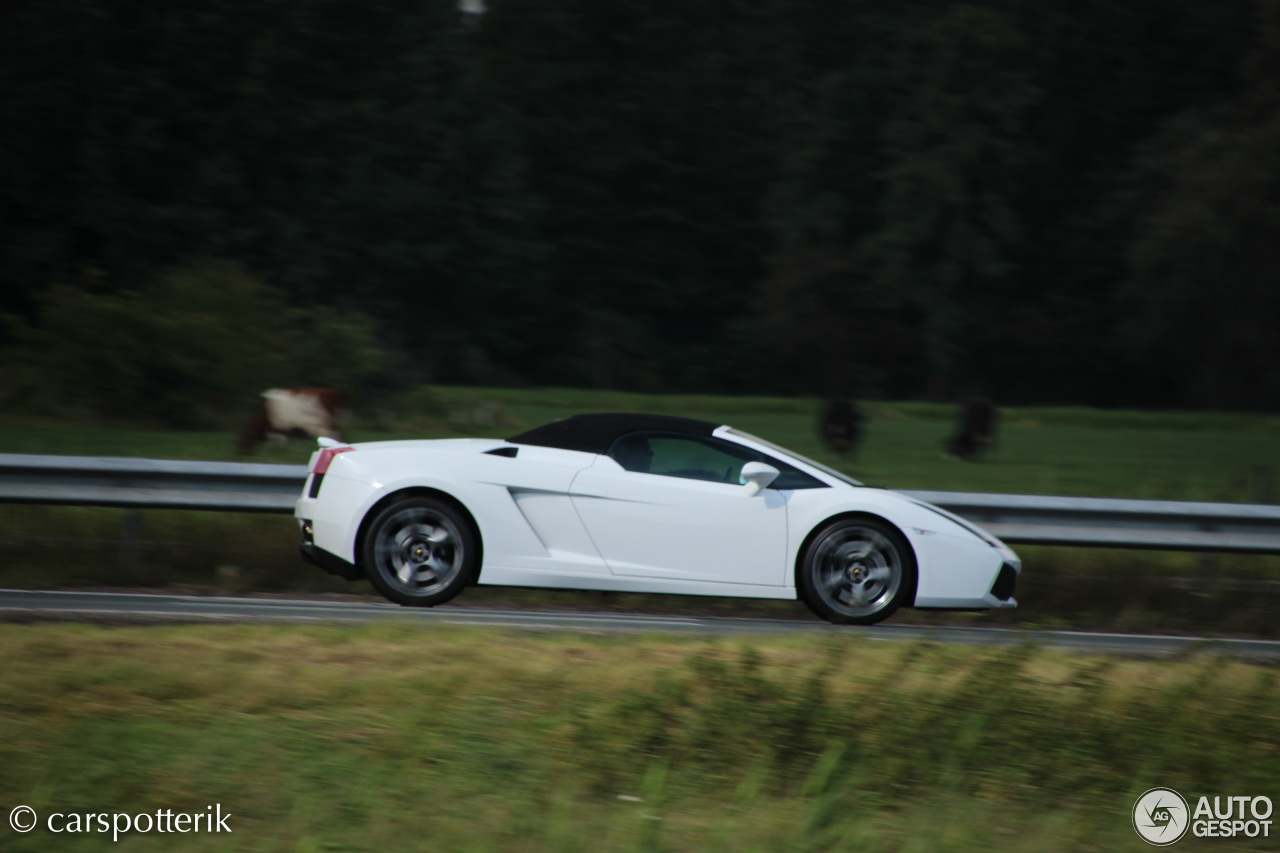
[(596, 433)]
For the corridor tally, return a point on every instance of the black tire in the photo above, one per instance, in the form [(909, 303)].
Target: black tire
[(420, 551), (856, 571)]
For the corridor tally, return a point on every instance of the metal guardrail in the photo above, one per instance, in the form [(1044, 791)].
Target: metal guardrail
[(1118, 523), (149, 483), (1017, 519)]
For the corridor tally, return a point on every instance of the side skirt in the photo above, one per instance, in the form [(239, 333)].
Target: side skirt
[(498, 576)]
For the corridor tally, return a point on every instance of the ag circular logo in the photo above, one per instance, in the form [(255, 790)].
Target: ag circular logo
[(1161, 816)]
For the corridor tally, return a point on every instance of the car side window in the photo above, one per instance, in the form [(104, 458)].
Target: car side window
[(692, 457)]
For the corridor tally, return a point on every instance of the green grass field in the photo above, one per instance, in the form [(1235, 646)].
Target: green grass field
[(397, 736), (1176, 456), (1180, 456)]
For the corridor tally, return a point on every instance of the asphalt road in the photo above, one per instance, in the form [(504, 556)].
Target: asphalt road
[(81, 606)]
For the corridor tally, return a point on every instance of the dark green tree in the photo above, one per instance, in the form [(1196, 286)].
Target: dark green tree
[(1207, 248)]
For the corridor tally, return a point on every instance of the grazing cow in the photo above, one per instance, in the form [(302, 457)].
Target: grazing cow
[(976, 432), (289, 411), (841, 426)]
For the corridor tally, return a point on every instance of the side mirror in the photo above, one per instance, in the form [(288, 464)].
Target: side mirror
[(756, 476)]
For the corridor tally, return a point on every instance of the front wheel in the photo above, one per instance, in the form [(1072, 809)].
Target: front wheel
[(420, 552), (856, 571)]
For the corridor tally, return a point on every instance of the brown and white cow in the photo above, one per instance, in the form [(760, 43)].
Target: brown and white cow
[(289, 411)]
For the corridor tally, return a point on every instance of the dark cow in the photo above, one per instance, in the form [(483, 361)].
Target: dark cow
[(291, 411), (841, 426), (976, 432)]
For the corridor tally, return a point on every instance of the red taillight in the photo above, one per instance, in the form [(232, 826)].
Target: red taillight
[(326, 456)]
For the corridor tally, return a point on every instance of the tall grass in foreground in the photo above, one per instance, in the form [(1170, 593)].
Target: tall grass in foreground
[(399, 737)]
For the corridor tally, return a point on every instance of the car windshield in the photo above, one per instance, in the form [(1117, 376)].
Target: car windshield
[(826, 469)]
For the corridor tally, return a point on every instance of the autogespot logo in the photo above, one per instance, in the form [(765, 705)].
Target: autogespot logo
[(1160, 816)]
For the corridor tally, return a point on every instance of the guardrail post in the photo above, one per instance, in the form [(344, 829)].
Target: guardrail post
[(130, 540), (1209, 583)]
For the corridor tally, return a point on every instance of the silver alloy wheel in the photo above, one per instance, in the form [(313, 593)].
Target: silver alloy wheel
[(419, 550), (856, 570)]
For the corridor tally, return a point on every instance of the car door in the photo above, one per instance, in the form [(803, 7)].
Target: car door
[(538, 480), (682, 513)]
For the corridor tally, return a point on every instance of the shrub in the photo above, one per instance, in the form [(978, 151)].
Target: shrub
[(191, 345)]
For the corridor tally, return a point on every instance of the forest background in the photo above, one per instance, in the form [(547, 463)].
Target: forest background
[(1067, 201)]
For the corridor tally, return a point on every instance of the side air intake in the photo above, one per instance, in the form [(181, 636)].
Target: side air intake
[(1005, 582)]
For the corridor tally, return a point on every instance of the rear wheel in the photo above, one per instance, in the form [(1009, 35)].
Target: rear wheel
[(420, 552), (856, 571)]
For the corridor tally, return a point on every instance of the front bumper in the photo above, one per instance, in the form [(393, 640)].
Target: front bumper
[(1006, 581)]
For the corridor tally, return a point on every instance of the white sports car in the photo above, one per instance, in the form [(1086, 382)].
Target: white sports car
[(639, 503)]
